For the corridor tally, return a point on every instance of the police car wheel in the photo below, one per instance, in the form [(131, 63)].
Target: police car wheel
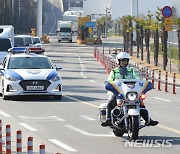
[(5, 97), (58, 97)]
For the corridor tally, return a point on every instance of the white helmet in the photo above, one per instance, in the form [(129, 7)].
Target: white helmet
[(122, 55)]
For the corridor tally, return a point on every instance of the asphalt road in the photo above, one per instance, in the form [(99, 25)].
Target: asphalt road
[(72, 124)]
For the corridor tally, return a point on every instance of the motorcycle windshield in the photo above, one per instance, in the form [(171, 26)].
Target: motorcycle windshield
[(128, 83), (128, 73)]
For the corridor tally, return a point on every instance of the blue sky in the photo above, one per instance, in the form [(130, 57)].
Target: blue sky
[(123, 7)]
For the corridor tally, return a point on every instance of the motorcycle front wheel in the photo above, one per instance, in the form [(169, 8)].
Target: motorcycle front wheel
[(133, 128)]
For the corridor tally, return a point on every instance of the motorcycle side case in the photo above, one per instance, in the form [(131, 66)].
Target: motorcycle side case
[(102, 110)]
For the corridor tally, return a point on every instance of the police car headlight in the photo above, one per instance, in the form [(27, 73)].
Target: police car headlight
[(131, 96), (11, 78), (56, 78)]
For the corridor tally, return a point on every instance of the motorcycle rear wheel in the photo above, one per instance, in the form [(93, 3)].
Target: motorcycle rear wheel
[(133, 130)]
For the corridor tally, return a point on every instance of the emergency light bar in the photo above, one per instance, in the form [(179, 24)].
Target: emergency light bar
[(17, 50), (36, 50)]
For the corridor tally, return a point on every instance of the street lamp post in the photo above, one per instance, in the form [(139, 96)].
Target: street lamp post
[(135, 8), (39, 18), (106, 23), (106, 15)]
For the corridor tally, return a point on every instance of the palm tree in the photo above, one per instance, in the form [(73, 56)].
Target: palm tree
[(125, 33), (137, 20), (100, 24), (127, 23), (164, 37), (141, 37), (177, 22), (147, 27), (155, 28)]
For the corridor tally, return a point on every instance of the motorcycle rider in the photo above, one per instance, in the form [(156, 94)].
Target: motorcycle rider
[(122, 60)]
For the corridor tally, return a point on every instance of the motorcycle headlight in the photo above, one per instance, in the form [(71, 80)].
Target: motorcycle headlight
[(56, 78), (11, 78), (131, 96)]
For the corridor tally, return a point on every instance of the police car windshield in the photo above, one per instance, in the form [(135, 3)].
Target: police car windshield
[(29, 63)]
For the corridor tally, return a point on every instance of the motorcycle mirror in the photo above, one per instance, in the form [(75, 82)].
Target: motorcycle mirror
[(105, 82)]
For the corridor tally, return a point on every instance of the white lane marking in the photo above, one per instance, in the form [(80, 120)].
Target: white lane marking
[(5, 114), (92, 81), (47, 118), (62, 145), (162, 99), (60, 119), (82, 66), (86, 133), (28, 127), (88, 118)]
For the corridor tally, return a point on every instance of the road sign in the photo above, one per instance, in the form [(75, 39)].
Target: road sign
[(167, 11), (90, 24), (168, 23)]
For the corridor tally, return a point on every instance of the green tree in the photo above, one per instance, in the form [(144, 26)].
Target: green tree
[(141, 22), (127, 24), (176, 21), (148, 26), (164, 37)]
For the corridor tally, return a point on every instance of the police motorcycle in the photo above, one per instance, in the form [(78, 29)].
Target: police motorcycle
[(125, 117)]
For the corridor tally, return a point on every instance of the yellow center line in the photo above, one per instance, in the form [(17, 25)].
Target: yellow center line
[(86, 103), (169, 129), (95, 106)]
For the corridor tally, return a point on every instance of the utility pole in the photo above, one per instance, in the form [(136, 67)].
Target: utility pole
[(106, 23), (39, 18), (134, 8)]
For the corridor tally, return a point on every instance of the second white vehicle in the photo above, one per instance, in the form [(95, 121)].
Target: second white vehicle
[(29, 74)]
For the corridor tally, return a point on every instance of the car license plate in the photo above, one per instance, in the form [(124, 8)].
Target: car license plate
[(35, 87)]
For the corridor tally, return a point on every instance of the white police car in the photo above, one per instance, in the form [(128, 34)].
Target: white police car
[(29, 74)]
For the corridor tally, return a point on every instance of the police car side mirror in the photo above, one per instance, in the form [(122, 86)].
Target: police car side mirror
[(57, 67)]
